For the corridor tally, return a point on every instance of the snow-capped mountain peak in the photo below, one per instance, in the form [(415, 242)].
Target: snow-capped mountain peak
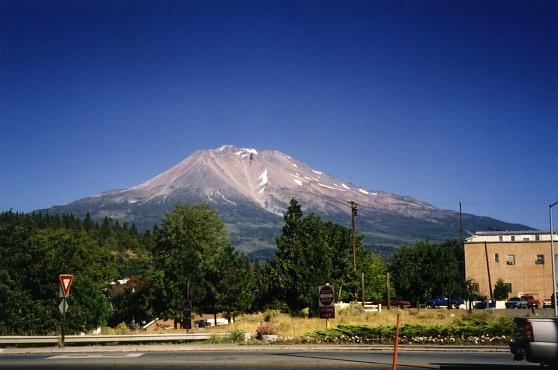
[(268, 178), (253, 187)]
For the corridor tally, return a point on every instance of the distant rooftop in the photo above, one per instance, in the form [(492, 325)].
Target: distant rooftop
[(511, 236), (518, 232)]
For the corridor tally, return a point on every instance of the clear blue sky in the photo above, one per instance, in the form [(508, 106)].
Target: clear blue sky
[(440, 100)]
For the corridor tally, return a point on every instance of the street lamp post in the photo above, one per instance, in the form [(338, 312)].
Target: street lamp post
[(553, 262)]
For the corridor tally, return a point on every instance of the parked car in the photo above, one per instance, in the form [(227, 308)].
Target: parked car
[(489, 303), (444, 302), (549, 303), (201, 324), (517, 303), (532, 300), (481, 305)]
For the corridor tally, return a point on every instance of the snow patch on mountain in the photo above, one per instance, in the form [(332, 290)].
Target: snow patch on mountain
[(263, 178), (298, 182), (328, 187), (245, 152), (222, 196)]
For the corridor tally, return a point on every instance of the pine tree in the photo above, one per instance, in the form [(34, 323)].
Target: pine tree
[(303, 260)]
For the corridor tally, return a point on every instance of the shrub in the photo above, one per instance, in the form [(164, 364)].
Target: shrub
[(235, 336), (503, 325), (466, 331), (270, 314), (265, 330)]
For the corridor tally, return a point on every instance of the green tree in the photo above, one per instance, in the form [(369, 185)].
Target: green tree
[(374, 270), (34, 250), (57, 251), (425, 270), (501, 290), (186, 249), (136, 301), (472, 292), (303, 260), (310, 253), (344, 280), (235, 286)]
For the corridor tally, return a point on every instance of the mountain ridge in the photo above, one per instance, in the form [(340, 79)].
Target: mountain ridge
[(251, 189)]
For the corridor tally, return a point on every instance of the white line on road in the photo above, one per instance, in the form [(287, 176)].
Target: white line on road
[(96, 356)]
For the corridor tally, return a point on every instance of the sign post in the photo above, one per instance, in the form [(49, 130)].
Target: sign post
[(187, 316), (65, 284), (327, 303), (187, 309)]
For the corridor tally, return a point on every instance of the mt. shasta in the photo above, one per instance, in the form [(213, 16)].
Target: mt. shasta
[(251, 190)]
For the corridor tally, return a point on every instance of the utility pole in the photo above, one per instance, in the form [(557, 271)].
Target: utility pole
[(460, 223), (353, 215), (187, 308), (553, 259), (388, 290), (488, 271), (362, 287)]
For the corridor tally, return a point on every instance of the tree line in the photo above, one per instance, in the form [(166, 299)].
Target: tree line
[(191, 248)]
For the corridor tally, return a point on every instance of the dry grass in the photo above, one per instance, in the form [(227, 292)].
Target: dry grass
[(288, 326)]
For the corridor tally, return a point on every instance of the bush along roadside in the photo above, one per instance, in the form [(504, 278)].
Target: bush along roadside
[(466, 332)]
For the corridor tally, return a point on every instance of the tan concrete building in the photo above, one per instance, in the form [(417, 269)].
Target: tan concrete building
[(520, 258)]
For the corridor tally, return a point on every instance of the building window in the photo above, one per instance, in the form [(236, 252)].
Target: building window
[(496, 257), (511, 259), (513, 238), (540, 259), (526, 239), (508, 286), (500, 238), (537, 237)]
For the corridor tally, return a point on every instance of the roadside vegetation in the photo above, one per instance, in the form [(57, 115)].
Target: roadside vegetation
[(354, 326), (125, 277)]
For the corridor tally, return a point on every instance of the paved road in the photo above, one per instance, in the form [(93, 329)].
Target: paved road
[(264, 359)]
